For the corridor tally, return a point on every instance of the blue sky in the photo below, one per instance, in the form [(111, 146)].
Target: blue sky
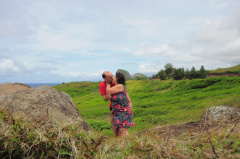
[(76, 40)]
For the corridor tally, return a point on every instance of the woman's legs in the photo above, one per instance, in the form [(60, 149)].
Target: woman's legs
[(112, 123), (122, 132)]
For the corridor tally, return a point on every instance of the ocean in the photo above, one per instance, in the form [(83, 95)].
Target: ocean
[(41, 84)]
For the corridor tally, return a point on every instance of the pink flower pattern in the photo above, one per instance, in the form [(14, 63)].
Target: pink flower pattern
[(122, 115)]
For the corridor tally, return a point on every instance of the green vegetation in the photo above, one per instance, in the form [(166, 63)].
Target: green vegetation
[(156, 102), (180, 73), (234, 69)]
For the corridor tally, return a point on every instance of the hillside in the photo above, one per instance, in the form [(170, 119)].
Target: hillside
[(234, 69), (139, 76), (156, 102)]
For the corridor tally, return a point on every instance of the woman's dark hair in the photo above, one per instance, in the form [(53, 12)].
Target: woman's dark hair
[(120, 78)]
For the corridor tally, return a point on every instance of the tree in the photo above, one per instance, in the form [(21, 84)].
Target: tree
[(154, 76), (168, 68), (187, 73), (193, 73), (178, 74), (161, 74), (202, 72)]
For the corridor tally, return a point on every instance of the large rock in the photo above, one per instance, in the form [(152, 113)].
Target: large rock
[(8, 88), (221, 113), (125, 73), (45, 105)]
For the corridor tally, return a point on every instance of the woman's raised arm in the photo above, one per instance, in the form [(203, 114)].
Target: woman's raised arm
[(115, 89)]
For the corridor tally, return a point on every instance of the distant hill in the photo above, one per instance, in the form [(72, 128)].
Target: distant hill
[(140, 76), (126, 74)]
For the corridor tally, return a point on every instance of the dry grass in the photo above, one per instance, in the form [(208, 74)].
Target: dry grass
[(22, 139)]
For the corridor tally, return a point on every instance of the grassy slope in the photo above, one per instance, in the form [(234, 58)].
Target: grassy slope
[(230, 69), (156, 102)]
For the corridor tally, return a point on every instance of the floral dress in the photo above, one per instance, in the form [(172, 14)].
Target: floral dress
[(122, 115)]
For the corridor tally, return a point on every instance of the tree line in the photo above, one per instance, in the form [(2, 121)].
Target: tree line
[(180, 73)]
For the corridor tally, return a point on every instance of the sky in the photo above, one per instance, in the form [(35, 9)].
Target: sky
[(51, 41)]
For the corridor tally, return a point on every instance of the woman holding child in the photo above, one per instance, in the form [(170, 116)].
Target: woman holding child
[(121, 111)]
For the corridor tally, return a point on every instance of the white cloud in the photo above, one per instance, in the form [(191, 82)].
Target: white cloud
[(8, 66), (74, 74), (148, 68), (163, 50), (219, 40), (78, 74), (217, 32)]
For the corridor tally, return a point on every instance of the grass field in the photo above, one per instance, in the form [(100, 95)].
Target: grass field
[(156, 102)]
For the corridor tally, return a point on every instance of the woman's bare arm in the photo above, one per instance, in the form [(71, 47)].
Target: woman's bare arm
[(115, 89), (130, 102)]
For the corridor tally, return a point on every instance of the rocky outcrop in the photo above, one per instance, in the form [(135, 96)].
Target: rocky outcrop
[(43, 104), (8, 88), (125, 73), (221, 113)]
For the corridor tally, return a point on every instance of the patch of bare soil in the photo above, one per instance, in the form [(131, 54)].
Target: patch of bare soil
[(228, 74), (8, 88), (189, 128)]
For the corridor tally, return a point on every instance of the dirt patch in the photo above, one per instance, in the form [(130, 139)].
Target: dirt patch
[(227, 74), (189, 128)]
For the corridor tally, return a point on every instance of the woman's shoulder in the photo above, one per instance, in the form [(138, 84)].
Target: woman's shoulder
[(120, 87)]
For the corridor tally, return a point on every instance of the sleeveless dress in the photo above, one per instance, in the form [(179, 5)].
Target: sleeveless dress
[(122, 115)]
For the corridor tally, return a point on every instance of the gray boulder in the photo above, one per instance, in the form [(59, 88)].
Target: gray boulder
[(45, 105), (221, 113)]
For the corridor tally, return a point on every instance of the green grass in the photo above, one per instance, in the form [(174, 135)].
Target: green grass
[(233, 69), (156, 102)]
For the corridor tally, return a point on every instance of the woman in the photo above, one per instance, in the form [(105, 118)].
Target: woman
[(120, 104)]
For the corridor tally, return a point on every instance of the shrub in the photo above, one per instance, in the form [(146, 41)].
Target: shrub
[(162, 75)]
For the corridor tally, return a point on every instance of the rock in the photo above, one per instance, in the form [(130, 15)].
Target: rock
[(221, 113), (125, 73), (8, 88), (45, 105)]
